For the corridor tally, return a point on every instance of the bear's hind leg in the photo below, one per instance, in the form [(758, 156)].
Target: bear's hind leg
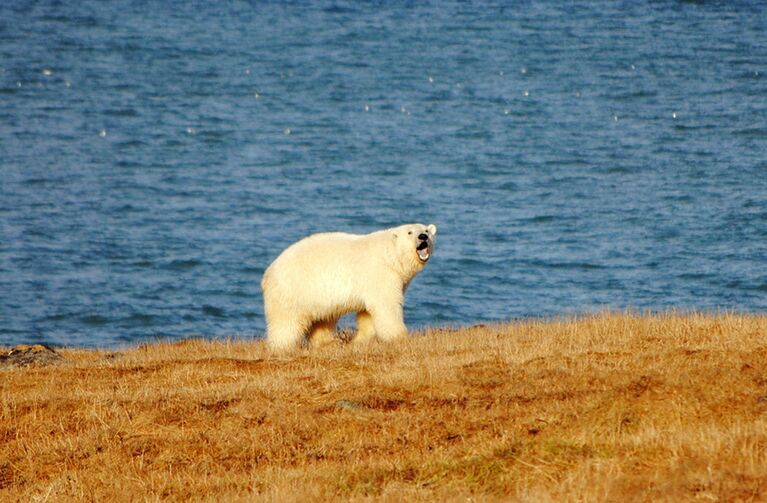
[(285, 335), (322, 333), (365, 328), (285, 330)]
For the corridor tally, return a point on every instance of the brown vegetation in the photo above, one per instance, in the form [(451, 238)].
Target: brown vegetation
[(613, 407)]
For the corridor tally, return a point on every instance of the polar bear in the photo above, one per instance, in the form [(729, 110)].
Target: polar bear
[(320, 278)]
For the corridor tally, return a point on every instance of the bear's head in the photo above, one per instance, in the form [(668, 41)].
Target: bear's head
[(415, 245)]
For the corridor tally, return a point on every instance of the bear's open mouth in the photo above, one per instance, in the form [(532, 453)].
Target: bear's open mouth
[(423, 251)]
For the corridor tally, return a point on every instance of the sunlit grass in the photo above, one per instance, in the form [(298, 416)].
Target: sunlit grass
[(611, 407)]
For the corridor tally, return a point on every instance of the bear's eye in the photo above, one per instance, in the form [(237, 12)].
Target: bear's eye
[(409, 233)]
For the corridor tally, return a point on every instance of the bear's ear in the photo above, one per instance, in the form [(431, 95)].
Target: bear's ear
[(432, 229)]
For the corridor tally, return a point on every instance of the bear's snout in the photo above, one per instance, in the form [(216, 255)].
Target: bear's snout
[(423, 237)]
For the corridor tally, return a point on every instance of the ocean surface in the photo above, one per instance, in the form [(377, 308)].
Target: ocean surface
[(576, 157)]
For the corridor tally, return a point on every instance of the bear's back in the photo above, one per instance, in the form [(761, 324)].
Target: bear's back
[(324, 254)]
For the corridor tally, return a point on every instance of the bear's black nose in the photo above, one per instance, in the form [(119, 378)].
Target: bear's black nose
[(423, 237)]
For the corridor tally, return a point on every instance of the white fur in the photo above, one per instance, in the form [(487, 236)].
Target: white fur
[(325, 276)]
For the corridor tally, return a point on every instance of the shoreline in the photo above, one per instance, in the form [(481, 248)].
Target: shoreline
[(604, 407), (344, 331)]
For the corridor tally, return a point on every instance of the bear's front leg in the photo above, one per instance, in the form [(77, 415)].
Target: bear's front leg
[(365, 329), (389, 322)]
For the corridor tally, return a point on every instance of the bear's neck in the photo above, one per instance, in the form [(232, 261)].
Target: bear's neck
[(408, 268)]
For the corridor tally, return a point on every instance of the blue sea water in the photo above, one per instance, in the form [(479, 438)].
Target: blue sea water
[(576, 156)]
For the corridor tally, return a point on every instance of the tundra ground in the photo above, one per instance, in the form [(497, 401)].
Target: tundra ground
[(610, 407)]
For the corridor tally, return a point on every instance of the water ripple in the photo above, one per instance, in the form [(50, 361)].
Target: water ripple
[(156, 158)]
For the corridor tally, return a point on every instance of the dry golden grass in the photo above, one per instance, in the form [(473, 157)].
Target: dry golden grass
[(614, 407)]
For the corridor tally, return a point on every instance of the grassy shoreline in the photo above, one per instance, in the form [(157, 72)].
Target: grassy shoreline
[(610, 407)]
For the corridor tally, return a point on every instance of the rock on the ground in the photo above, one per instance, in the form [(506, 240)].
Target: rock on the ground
[(24, 355)]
